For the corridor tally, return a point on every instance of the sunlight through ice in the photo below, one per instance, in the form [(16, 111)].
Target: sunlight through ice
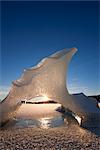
[(42, 98)]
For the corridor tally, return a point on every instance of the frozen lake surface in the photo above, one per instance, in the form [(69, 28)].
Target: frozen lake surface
[(40, 115)]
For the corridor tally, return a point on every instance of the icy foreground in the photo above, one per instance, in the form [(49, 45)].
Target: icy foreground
[(64, 138), (48, 79)]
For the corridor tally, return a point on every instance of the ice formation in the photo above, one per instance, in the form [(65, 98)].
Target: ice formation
[(47, 79)]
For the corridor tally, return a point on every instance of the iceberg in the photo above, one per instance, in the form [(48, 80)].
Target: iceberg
[(48, 79)]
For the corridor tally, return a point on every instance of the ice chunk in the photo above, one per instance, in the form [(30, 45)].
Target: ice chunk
[(47, 78)]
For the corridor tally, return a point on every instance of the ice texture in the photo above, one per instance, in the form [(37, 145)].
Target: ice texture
[(48, 78)]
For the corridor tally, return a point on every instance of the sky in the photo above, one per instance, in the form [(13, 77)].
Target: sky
[(32, 30)]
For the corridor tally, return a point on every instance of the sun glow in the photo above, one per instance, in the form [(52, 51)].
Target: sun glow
[(45, 98)]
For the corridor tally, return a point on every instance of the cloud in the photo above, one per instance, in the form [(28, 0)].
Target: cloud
[(78, 89), (4, 87), (74, 86)]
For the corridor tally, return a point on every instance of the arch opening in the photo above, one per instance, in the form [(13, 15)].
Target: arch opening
[(48, 112), (39, 111)]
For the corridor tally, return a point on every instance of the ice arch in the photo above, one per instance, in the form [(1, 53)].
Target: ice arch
[(47, 78)]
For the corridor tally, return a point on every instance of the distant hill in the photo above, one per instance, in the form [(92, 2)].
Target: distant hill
[(97, 97)]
